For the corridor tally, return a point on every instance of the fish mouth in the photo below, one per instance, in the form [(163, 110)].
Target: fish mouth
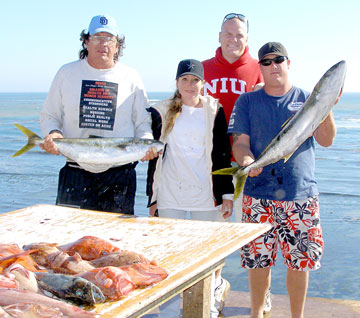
[(97, 295), (88, 295)]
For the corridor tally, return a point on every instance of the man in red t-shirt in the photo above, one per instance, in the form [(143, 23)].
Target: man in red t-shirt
[(229, 74)]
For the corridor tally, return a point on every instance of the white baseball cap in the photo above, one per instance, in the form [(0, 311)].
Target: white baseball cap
[(103, 23)]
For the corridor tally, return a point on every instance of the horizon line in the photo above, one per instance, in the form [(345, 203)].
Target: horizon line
[(39, 92)]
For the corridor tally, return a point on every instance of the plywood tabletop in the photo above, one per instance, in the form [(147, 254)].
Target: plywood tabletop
[(184, 248)]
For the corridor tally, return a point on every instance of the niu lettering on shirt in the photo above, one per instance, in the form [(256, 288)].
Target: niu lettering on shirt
[(225, 85)]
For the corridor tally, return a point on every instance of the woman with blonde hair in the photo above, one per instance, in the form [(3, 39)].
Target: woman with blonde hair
[(194, 130)]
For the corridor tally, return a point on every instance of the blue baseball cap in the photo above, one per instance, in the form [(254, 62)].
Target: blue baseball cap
[(103, 23)]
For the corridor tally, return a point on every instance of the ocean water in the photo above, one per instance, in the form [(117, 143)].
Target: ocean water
[(32, 179)]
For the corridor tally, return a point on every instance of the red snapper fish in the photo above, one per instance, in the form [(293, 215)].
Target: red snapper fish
[(41, 251), (49, 256), (121, 258), (143, 275), (63, 263), (90, 247), (113, 282)]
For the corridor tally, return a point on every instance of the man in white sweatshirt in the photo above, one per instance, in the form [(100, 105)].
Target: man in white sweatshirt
[(97, 96)]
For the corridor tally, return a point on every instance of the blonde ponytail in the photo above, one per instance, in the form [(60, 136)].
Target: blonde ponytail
[(173, 112)]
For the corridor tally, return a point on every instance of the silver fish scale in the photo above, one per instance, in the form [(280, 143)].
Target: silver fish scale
[(106, 151)]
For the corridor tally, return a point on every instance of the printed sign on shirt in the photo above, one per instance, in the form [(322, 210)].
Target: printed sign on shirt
[(98, 104)]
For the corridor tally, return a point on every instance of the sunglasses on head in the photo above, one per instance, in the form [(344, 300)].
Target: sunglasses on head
[(239, 16), (277, 60)]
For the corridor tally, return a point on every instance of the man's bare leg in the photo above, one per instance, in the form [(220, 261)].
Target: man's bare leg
[(297, 284), (259, 283)]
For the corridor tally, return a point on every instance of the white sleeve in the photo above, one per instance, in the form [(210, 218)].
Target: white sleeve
[(140, 116), (51, 115)]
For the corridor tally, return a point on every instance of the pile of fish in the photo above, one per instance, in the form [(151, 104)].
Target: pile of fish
[(50, 280)]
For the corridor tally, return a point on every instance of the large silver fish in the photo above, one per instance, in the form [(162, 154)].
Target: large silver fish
[(312, 113), (95, 154)]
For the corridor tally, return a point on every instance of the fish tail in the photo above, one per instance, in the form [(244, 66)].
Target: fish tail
[(239, 185), (226, 171), (240, 177), (32, 140)]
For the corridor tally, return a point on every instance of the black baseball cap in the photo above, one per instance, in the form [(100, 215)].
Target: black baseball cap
[(275, 48), (190, 67)]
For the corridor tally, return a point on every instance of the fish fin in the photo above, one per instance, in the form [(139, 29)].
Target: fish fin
[(239, 186), (94, 136), (240, 178), (285, 123), (24, 149), (226, 171), (121, 146), (31, 140), (287, 157)]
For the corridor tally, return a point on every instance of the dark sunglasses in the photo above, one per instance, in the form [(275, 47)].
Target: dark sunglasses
[(277, 60), (239, 16)]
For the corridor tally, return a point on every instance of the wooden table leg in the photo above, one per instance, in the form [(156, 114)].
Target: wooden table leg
[(196, 299)]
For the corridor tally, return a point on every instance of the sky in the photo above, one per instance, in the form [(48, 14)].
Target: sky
[(42, 35)]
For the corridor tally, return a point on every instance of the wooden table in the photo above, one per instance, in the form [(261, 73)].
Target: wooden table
[(189, 250)]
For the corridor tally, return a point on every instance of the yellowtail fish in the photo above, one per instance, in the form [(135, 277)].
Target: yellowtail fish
[(293, 134), (95, 154)]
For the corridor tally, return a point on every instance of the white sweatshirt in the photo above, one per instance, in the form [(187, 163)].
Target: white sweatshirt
[(84, 101)]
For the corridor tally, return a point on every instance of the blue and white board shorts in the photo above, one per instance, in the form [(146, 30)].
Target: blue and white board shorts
[(295, 229)]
